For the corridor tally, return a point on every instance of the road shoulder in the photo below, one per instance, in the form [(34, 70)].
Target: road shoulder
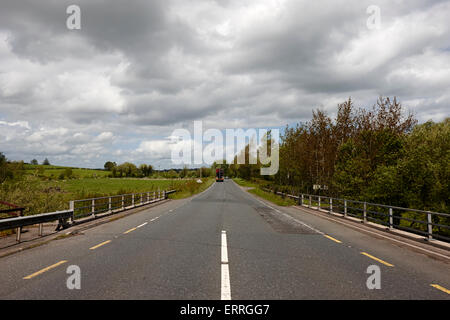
[(434, 249)]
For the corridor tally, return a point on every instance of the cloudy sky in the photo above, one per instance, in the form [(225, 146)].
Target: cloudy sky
[(137, 70)]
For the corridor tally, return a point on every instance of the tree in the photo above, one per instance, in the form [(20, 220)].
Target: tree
[(171, 174), (5, 173), (425, 168), (127, 169), (46, 162), (350, 154), (109, 165), (34, 162), (146, 170), (149, 170), (114, 172), (143, 168), (366, 162), (184, 172), (363, 162)]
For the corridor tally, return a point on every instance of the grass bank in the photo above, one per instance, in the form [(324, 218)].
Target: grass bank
[(255, 188), (191, 188)]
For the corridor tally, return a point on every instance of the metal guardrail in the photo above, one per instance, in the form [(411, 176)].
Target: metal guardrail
[(418, 221), (19, 222), (104, 205), (97, 206)]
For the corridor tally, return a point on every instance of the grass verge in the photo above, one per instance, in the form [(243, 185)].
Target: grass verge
[(191, 188), (256, 190)]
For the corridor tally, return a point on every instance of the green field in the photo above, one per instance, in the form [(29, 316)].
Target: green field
[(89, 188), (105, 186), (39, 195), (55, 171)]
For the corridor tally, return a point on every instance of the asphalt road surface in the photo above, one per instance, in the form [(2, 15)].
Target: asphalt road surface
[(222, 244)]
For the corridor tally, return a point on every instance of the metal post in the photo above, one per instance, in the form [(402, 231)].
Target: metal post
[(18, 234), (132, 200), (345, 208), (93, 208), (391, 219), (109, 204), (331, 205), (154, 195), (309, 205), (20, 228), (365, 212), (123, 202), (148, 197), (303, 199), (430, 226), (72, 208), (164, 194), (318, 207), (142, 196), (41, 229)]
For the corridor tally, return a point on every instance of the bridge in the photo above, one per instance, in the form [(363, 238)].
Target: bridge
[(226, 244)]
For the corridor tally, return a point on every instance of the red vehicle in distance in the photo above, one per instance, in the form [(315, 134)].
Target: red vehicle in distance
[(219, 175)]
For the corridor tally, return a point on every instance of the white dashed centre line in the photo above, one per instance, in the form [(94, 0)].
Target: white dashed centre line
[(142, 225), (225, 286)]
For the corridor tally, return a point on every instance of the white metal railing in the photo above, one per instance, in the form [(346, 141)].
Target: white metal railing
[(83, 208), (432, 225), (95, 206)]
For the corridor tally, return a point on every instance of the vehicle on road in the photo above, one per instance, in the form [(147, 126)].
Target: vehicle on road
[(219, 175)]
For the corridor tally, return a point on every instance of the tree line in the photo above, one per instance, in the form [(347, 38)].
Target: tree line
[(14, 170), (379, 155), (46, 162), (128, 169)]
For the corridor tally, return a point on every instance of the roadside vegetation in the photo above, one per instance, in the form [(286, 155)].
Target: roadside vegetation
[(379, 155), (191, 187), (47, 188), (257, 189)]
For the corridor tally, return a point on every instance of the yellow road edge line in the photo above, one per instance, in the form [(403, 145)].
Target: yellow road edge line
[(332, 239), (436, 286), (132, 229), (44, 270), (99, 245), (376, 259)]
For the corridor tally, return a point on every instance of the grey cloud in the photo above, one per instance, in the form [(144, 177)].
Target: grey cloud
[(139, 69)]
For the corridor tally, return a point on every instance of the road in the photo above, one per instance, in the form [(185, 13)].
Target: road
[(222, 244)]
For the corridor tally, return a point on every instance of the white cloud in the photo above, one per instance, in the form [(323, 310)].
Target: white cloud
[(115, 89)]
